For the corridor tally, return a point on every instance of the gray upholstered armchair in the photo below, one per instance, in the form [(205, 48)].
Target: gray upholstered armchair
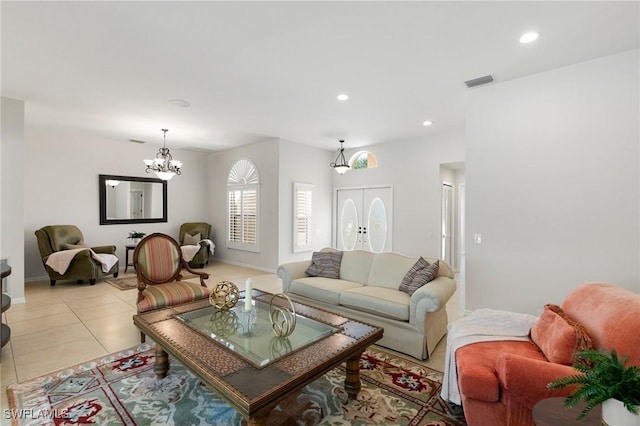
[(66, 257), (193, 233)]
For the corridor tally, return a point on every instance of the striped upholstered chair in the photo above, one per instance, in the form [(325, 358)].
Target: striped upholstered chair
[(159, 264)]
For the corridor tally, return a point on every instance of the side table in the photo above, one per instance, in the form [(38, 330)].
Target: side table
[(551, 412), (127, 249), (5, 331)]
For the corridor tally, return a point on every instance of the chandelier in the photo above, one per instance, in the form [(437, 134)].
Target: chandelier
[(340, 164), (164, 166)]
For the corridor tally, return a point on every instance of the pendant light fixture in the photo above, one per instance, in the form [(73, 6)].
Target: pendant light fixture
[(164, 166), (340, 164)]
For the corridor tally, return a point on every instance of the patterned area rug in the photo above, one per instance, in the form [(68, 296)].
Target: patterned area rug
[(121, 389), (128, 283)]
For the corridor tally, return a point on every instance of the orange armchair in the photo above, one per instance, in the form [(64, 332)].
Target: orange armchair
[(501, 381)]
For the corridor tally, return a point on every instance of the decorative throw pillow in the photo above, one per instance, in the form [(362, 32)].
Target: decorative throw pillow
[(558, 336), (420, 274), (191, 240), (325, 264)]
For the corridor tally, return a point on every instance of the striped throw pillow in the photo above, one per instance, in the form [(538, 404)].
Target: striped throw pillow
[(325, 264), (420, 274)]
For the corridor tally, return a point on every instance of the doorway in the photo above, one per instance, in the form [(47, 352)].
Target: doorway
[(364, 219)]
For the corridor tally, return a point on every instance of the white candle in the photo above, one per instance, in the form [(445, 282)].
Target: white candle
[(247, 295)]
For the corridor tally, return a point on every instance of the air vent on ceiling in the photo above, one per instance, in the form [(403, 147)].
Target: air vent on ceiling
[(479, 81), (136, 141)]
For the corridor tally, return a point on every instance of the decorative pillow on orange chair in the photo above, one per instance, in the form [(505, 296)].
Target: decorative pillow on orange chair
[(558, 336)]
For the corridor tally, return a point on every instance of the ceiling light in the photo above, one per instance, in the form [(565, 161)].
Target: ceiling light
[(529, 37), (427, 123), (340, 164), (343, 97), (164, 166)]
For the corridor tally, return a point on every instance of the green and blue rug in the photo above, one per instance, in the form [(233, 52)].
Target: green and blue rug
[(121, 389)]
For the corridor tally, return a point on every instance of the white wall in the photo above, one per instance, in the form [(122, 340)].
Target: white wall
[(61, 187), (413, 168), (553, 184), (12, 187), (265, 156), (304, 164)]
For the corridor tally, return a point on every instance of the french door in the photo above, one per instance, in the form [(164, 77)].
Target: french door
[(364, 219)]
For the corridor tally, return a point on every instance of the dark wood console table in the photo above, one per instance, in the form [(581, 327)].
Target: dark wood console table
[(551, 412)]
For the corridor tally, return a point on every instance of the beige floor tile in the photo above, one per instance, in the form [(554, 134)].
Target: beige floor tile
[(19, 328), (115, 333), (36, 364), (41, 341), (95, 312), (7, 366), (36, 311)]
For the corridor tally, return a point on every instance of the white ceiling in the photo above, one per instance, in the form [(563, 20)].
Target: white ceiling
[(256, 70)]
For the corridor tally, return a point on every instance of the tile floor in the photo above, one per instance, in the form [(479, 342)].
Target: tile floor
[(72, 323)]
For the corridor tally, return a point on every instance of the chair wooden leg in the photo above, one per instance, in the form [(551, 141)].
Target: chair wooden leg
[(115, 275), (53, 283), (92, 281), (79, 281)]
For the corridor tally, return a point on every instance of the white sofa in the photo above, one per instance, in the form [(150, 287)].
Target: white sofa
[(367, 290)]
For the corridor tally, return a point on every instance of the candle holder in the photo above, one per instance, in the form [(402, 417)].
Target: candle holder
[(247, 322)]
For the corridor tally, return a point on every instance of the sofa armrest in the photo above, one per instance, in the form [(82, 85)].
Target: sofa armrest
[(526, 379), (431, 297), (288, 272), (104, 249)]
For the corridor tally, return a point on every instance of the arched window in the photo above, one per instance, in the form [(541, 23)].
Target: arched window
[(243, 190), (363, 160)]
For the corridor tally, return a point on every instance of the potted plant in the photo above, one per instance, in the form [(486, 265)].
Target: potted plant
[(136, 236), (605, 379)]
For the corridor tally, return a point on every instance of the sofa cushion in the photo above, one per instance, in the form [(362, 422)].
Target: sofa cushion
[(420, 274), (385, 302), (325, 290), (356, 265), (388, 270), (325, 264), (559, 337)]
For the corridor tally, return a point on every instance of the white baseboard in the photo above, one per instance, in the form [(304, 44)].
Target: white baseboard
[(246, 265)]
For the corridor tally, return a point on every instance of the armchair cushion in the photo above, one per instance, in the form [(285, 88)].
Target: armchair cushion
[(170, 294)]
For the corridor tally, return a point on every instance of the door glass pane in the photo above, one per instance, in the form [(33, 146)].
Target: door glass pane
[(377, 226), (349, 231)]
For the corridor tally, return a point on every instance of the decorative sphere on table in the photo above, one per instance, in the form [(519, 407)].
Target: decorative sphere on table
[(224, 295)]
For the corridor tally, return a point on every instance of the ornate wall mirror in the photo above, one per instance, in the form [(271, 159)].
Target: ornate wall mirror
[(127, 199)]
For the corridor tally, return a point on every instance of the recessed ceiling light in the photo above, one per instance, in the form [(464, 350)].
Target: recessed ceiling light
[(529, 37), (427, 123), (343, 97), (179, 103)]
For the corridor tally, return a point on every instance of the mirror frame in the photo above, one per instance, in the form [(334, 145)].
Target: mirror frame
[(103, 200)]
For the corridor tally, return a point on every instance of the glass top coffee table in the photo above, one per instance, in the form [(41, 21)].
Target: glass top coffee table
[(237, 354)]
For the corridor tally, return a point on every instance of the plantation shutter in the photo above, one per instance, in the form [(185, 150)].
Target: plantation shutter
[(243, 206), (302, 222)]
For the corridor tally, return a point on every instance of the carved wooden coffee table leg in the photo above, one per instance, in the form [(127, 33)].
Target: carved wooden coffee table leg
[(352, 381), (161, 366)]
